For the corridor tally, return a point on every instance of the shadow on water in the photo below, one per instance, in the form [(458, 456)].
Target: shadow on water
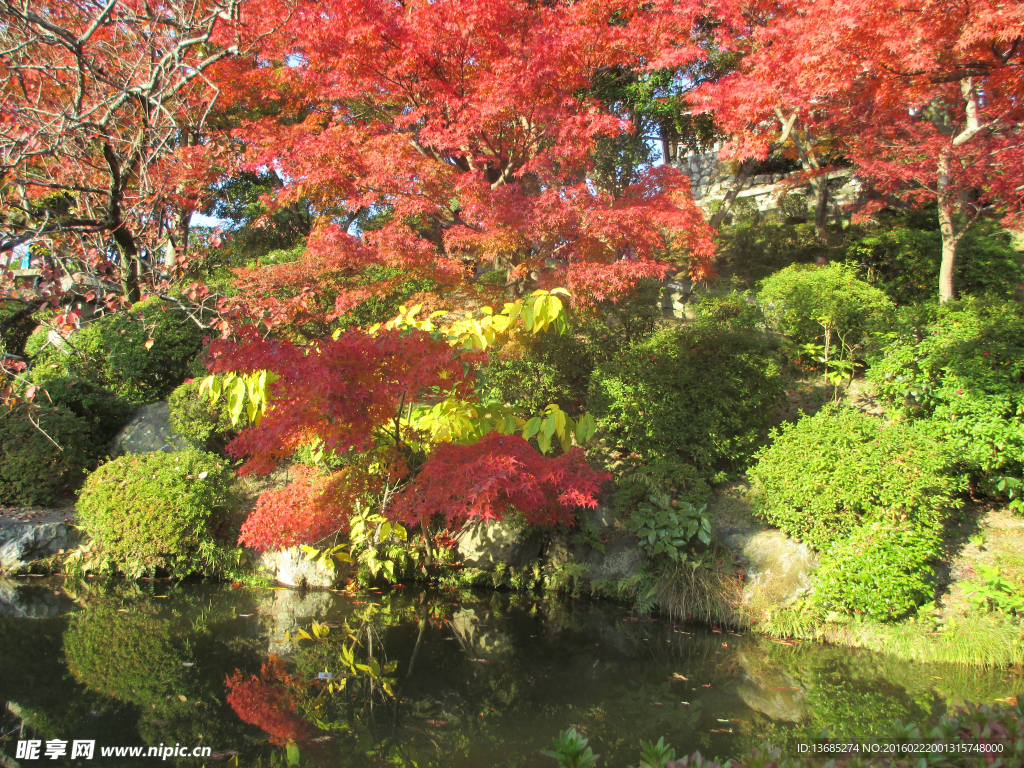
[(454, 679)]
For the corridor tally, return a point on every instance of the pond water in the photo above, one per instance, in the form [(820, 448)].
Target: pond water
[(422, 679)]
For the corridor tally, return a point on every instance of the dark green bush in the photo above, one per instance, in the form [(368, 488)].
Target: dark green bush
[(801, 300), (827, 474), (156, 509), (555, 369), (101, 410), (666, 476), (880, 570), (752, 248), (961, 366), (206, 425), (702, 394), (904, 262), (32, 469), (112, 352)]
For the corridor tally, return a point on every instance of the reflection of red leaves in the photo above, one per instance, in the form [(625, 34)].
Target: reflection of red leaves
[(269, 704)]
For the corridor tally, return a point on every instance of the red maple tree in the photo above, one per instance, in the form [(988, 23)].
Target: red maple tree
[(927, 97)]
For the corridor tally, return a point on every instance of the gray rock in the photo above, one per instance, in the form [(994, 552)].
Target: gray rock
[(290, 568), (621, 558), (22, 543), (778, 569), (149, 430), (485, 543), (22, 601)]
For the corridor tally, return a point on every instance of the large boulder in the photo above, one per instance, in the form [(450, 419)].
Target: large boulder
[(777, 568), (149, 430), (485, 543), (22, 543), (290, 568)]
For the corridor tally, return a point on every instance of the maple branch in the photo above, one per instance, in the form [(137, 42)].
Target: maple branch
[(974, 125)]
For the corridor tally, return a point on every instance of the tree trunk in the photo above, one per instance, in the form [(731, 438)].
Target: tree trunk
[(730, 197), (947, 288), (821, 210)]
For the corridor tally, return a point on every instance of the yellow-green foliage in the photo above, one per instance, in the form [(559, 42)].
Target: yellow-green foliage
[(821, 477), (155, 509), (801, 300)]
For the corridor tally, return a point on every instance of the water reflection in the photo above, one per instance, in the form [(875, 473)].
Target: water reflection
[(276, 677)]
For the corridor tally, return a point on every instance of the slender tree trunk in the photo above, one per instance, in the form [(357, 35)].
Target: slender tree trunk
[(821, 209), (746, 167), (947, 288)]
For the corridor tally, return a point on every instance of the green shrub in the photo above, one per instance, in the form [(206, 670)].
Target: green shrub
[(205, 425), (735, 309), (660, 476), (556, 369), (802, 300), (904, 262), (667, 527), (112, 352), (33, 470), (825, 475), (753, 249), (881, 570), (101, 410), (155, 509), (961, 367), (702, 394)]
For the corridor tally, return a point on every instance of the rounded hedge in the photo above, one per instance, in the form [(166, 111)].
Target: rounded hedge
[(881, 570), (703, 394), (798, 299), (38, 468), (101, 410), (112, 352), (155, 509), (826, 474)]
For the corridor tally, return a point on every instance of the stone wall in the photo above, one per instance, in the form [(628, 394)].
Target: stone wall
[(711, 179)]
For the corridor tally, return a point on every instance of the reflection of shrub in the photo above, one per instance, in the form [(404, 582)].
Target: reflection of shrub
[(269, 703), (701, 393), (112, 351), (904, 262), (33, 470), (960, 366), (826, 473), (103, 411), (155, 509), (193, 417), (156, 662), (798, 299), (880, 570)]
